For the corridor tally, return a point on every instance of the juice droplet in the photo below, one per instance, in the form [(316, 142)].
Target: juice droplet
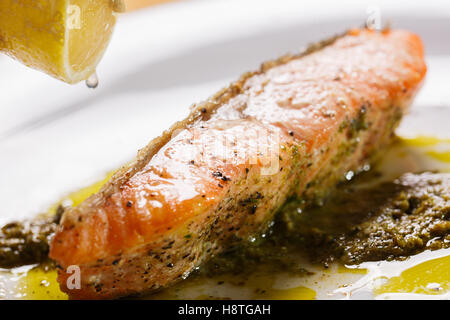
[(119, 6), (92, 81)]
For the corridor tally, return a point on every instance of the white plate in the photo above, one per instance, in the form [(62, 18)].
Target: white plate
[(56, 138)]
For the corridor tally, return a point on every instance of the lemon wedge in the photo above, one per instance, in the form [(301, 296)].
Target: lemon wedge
[(64, 38)]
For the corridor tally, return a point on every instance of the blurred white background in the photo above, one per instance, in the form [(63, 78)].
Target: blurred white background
[(56, 138)]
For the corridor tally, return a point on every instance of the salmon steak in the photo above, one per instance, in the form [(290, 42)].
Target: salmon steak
[(294, 128)]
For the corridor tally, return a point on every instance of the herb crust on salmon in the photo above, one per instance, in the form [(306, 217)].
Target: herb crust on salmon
[(291, 129)]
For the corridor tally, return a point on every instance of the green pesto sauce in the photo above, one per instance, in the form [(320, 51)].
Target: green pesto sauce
[(27, 242), (391, 220), (357, 223)]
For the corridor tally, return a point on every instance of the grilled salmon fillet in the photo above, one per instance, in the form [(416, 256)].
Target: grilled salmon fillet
[(293, 128)]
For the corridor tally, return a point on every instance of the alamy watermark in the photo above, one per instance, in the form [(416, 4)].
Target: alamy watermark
[(73, 17), (231, 142), (74, 280), (373, 21)]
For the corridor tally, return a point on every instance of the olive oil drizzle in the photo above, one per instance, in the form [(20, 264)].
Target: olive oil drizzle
[(289, 245)]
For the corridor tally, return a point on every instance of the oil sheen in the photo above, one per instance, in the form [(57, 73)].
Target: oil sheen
[(426, 274)]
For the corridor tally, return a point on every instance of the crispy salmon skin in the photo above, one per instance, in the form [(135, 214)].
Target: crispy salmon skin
[(293, 128)]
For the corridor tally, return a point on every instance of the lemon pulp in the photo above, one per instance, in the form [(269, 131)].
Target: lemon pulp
[(64, 38)]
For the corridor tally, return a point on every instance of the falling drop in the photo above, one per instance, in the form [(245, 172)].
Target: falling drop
[(119, 6), (92, 81)]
